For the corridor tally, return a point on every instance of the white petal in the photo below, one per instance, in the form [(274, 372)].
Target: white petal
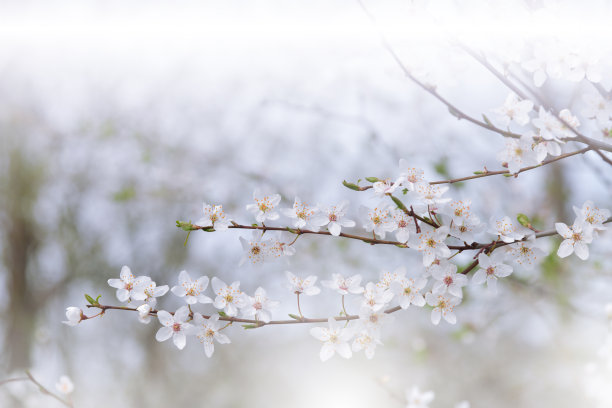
[(327, 352), (334, 228), (435, 316), (165, 318), (565, 249), (179, 340), (582, 251), (344, 350), (163, 334), (479, 277), (319, 333), (125, 274), (450, 317), (123, 295)]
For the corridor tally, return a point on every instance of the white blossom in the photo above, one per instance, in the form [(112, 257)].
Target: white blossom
[(259, 306), (207, 332), (592, 215), (152, 292), (373, 320), (304, 286), (448, 279), (518, 153), (431, 194), (513, 109), (192, 291), (74, 315), (596, 107), (144, 313), (491, 268), (334, 338), (64, 385), (229, 298), (303, 216), (505, 230), (404, 225), (367, 341), (574, 239), (376, 297), (443, 306), (418, 399), (410, 175), (128, 287), (377, 220), (526, 253), (408, 292), (256, 249), (334, 218), (264, 206), (431, 244), (214, 216), (384, 187), (343, 285), (174, 326)]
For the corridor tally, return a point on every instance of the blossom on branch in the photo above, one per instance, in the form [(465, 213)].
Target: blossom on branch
[(410, 175), (304, 286), (207, 331), (343, 285), (215, 217), (264, 206), (229, 298), (303, 215), (513, 109), (491, 268), (333, 217), (334, 338), (377, 220), (74, 316), (431, 244), (448, 279), (174, 326), (443, 306), (259, 306), (192, 291), (575, 239), (128, 287)]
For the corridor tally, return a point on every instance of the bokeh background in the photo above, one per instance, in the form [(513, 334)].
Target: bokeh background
[(119, 118)]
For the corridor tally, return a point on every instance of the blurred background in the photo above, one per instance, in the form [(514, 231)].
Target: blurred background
[(119, 118)]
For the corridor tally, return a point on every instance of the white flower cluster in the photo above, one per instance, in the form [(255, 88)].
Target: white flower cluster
[(416, 398), (184, 322)]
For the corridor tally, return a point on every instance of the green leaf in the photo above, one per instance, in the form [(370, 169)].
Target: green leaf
[(372, 179), (487, 121), (291, 230), (296, 317), (523, 220), (98, 299), (222, 313), (398, 202), (250, 326), (508, 175), (352, 186), (184, 225), (479, 172), (90, 299), (208, 229)]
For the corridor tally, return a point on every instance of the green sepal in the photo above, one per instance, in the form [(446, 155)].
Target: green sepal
[(399, 203), (296, 317), (222, 313), (523, 220), (372, 179), (250, 326), (90, 300)]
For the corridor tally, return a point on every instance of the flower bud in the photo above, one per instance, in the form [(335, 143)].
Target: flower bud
[(74, 316)]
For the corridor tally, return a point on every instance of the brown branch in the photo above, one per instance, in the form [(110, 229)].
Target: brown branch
[(45, 391), (257, 323), (494, 173)]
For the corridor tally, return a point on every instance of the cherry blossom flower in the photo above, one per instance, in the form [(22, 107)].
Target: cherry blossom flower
[(152, 292), (505, 230), (144, 311), (229, 298), (443, 306), (431, 194), (575, 239), (259, 306), (518, 153), (376, 297), (585, 65), (64, 385), (128, 287), (408, 291), (372, 320), (333, 217), (596, 107), (571, 120), (448, 279), (264, 206), (459, 211), (491, 268), (404, 225), (551, 128), (192, 291), (366, 340), (431, 244), (335, 339), (384, 187), (410, 175), (214, 216), (592, 215), (304, 286), (256, 250), (277, 246), (513, 109), (343, 285), (74, 316), (377, 220), (386, 278), (207, 331), (543, 147), (174, 326), (418, 399), (303, 215), (526, 253), (465, 230)]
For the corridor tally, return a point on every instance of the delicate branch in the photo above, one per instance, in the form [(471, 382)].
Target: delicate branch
[(488, 173), (257, 323), (47, 392)]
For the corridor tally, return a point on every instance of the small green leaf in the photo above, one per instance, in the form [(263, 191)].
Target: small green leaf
[(209, 229), (185, 225), (291, 230), (487, 121), (250, 326), (98, 299), (479, 172), (398, 202), (405, 191), (296, 317), (508, 175), (523, 220), (255, 225), (352, 186), (90, 299), (372, 179), (222, 313)]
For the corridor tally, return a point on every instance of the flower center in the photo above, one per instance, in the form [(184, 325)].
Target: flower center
[(576, 236), (373, 319), (333, 217), (229, 298), (210, 332), (490, 271), (257, 306), (255, 250), (431, 242), (448, 280), (402, 224), (462, 228), (176, 327), (407, 290)]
